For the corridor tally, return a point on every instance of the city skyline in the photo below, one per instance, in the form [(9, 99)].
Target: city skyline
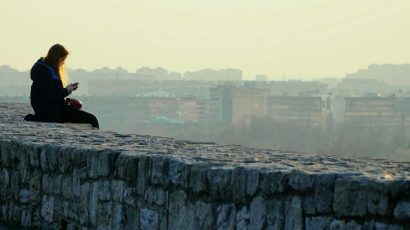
[(283, 40)]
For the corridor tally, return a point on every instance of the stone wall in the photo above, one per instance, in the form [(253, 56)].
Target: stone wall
[(66, 176)]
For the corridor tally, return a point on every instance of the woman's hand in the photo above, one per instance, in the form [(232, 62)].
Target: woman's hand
[(72, 87)]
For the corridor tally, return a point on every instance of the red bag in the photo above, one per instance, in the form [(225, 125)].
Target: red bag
[(73, 103)]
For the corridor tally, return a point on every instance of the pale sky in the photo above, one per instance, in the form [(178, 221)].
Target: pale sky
[(302, 39)]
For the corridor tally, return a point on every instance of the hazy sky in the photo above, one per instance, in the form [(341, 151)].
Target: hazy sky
[(291, 39)]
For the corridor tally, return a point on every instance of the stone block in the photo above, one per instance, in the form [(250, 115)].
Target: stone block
[(220, 183), (399, 188), (36, 217), (301, 181), (67, 187), (84, 200), (402, 210), (258, 213), (26, 217), (35, 181), (117, 217), (350, 198), (25, 196), (106, 162), (242, 219), (178, 172), (5, 153), (79, 158), (159, 171), (72, 226), (353, 225), (130, 196), (252, 181), (131, 221), (384, 226), (11, 150), (323, 193), (11, 208), (51, 184), (15, 184), (144, 167), (53, 157), (47, 208), (5, 185), (156, 196), (378, 199), (380, 226), (23, 170), (275, 214), (369, 224), (117, 190), (148, 219), (226, 214), (104, 213), (293, 214), (104, 190), (92, 204), (337, 225), (34, 156), (272, 182), (239, 185), (185, 215), (43, 159), (163, 219), (203, 216), (92, 164), (317, 223), (65, 163), (126, 168), (76, 182), (198, 178), (72, 210), (65, 209), (178, 217), (308, 203)]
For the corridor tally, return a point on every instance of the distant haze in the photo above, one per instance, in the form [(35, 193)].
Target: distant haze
[(281, 39)]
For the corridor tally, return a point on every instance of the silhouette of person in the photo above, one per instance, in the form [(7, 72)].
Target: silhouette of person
[(50, 88)]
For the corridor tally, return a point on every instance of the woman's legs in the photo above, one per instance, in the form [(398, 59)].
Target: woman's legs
[(78, 116)]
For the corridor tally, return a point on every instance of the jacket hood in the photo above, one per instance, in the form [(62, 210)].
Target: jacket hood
[(41, 70)]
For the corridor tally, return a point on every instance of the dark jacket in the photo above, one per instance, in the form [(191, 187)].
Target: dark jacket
[(47, 92)]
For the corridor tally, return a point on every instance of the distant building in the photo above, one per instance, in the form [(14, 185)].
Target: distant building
[(237, 105), (378, 111), (248, 104), (357, 87), (292, 88), (307, 110), (183, 109), (261, 77), (214, 75)]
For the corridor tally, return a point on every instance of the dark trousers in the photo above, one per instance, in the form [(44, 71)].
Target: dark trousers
[(72, 115)]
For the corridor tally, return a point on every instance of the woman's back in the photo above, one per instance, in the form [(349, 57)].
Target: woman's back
[(47, 92)]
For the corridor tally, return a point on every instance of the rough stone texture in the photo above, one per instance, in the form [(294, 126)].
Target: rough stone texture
[(317, 223), (226, 216), (402, 210), (54, 175)]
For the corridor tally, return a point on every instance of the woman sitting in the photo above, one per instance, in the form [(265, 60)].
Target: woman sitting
[(50, 88)]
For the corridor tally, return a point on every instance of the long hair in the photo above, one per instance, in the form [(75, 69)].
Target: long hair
[(55, 53)]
